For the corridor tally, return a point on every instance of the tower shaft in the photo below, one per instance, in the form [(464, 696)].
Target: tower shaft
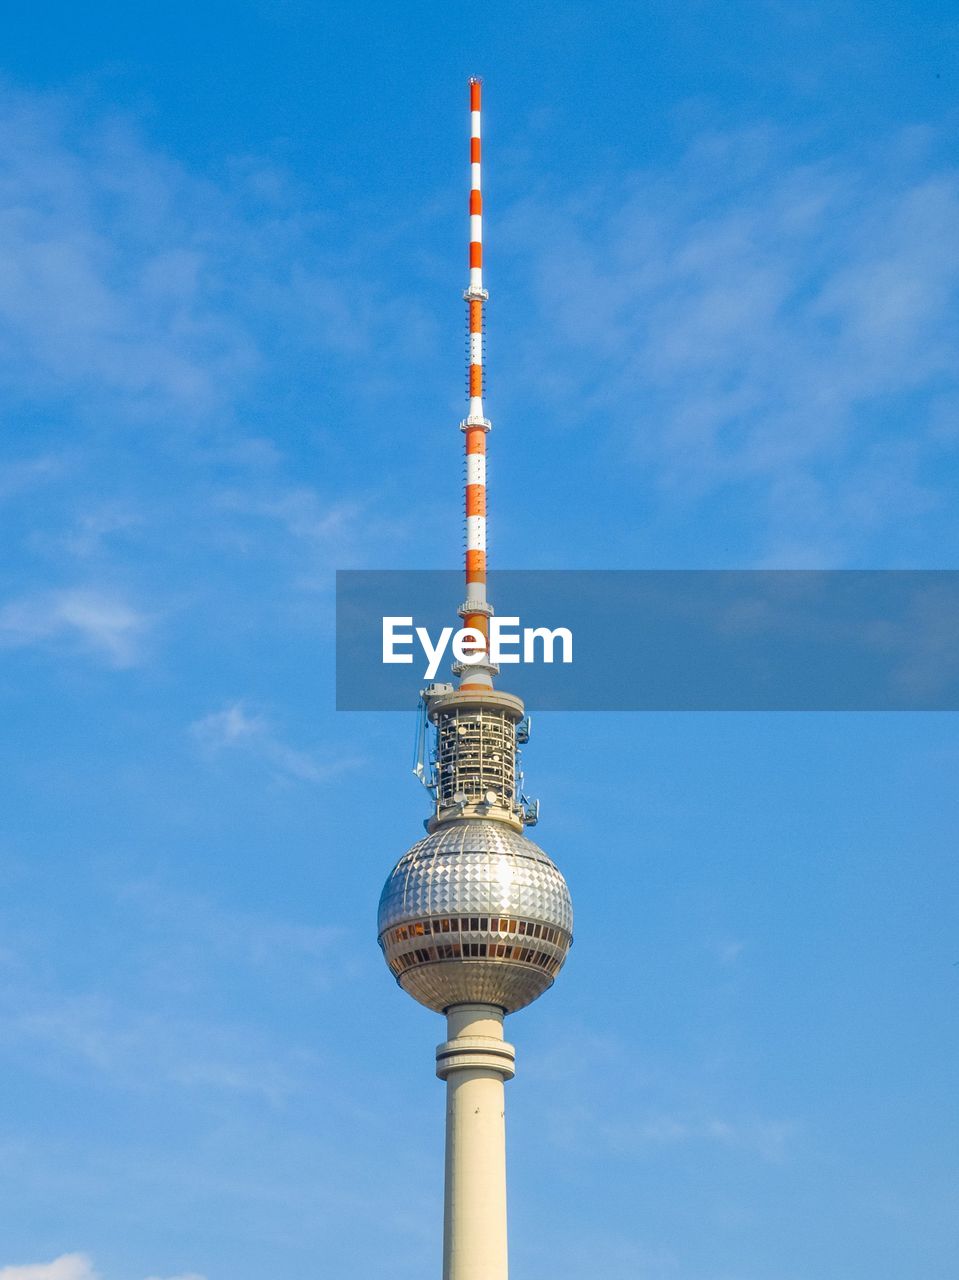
[(475, 1062)]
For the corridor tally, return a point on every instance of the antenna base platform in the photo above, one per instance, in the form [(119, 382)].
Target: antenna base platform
[(469, 607), (484, 668)]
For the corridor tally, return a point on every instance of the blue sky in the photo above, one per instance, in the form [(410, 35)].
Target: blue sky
[(724, 266)]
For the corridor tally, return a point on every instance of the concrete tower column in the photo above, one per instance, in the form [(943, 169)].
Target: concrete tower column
[(475, 1062)]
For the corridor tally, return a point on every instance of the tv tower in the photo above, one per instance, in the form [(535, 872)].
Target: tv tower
[(475, 921)]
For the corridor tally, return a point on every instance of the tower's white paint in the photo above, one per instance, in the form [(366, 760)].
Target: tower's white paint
[(475, 1062)]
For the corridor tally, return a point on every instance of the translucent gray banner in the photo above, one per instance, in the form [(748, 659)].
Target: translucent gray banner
[(671, 640)]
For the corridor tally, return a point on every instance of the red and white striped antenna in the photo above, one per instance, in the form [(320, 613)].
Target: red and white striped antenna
[(476, 610)]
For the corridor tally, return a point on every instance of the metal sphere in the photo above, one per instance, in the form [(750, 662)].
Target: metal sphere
[(475, 913)]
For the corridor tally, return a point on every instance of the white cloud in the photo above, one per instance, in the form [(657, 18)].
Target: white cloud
[(226, 728), (71, 1266), (246, 938), (770, 1140), (94, 527), (301, 512), (181, 948), (234, 727), (673, 1107), (107, 274), (27, 473), (748, 319), (97, 620), (158, 290), (728, 950), (188, 1275), (152, 1048), (343, 533)]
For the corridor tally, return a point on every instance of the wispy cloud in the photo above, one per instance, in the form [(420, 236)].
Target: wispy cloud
[(300, 511), (241, 938), (95, 620), (676, 1104), (330, 534), (94, 527), (610, 1253), (235, 728), (158, 291), (768, 1139), (26, 474), (578, 1126), (749, 318), (728, 951), (71, 1266), (152, 1049), (108, 270), (158, 1021)]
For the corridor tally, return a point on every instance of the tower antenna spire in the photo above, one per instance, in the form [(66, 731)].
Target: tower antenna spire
[(476, 609)]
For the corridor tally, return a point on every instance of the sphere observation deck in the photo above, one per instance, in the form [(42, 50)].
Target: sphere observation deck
[(475, 913)]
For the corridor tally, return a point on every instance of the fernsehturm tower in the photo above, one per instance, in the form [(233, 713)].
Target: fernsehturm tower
[(475, 921)]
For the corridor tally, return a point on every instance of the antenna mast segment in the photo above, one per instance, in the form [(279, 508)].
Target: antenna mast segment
[(476, 609)]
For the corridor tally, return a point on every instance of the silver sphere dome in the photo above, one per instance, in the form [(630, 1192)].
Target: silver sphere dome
[(475, 913)]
